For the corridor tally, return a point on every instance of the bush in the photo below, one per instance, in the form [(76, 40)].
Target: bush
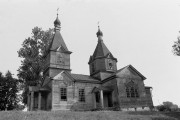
[(162, 108), (167, 106)]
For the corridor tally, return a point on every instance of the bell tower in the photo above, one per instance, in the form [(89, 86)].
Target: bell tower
[(58, 55), (102, 63)]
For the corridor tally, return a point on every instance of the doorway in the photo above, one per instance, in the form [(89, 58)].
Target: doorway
[(107, 99)]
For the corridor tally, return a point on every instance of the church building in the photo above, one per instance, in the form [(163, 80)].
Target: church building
[(106, 87)]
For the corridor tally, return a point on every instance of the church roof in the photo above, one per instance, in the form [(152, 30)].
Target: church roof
[(134, 69), (58, 41), (131, 67), (120, 71), (148, 87), (101, 50), (84, 78)]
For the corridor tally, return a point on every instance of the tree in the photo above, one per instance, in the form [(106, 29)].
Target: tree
[(167, 106), (176, 46), (9, 87), (32, 51)]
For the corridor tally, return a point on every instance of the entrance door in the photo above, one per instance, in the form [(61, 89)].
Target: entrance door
[(107, 99), (109, 95), (44, 100)]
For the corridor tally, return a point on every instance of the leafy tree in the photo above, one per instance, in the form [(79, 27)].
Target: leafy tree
[(9, 87), (167, 106), (32, 51), (176, 46)]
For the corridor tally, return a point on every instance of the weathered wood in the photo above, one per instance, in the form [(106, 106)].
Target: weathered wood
[(28, 102), (102, 99), (32, 101), (39, 101), (94, 100)]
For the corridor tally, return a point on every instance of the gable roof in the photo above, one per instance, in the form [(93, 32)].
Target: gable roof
[(118, 71), (59, 75), (84, 78), (74, 77), (137, 72), (132, 68)]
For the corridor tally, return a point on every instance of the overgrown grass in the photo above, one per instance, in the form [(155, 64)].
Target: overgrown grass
[(95, 115)]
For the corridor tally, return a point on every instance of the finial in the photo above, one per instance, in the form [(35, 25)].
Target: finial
[(57, 12), (98, 26), (99, 33), (57, 22)]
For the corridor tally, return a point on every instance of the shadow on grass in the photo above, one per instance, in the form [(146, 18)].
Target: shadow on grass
[(171, 115)]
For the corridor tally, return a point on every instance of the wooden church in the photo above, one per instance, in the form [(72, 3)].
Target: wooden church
[(105, 88)]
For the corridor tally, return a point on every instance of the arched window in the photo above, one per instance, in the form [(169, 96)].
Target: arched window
[(110, 64), (132, 90)]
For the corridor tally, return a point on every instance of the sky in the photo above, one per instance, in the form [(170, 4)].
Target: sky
[(137, 32)]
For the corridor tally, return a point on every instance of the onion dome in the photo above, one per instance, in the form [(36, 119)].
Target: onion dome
[(99, 33), (57, 22)]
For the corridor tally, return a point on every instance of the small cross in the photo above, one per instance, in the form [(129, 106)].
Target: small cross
[(57, 11)]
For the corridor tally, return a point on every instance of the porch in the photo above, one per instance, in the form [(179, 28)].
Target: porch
[(102, 97), (37, 98)]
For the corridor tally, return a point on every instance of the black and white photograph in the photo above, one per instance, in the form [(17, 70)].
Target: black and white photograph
[(89, 60)]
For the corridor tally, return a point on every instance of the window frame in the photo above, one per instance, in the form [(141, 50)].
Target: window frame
[(63, 93), (132, 90), (110, 64), (82, 97)]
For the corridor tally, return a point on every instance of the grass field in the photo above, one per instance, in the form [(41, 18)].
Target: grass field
[(95, 115)]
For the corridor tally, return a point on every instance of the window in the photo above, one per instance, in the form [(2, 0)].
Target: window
[(63, 94), (81, 95), (132, 92), (110, 64)]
